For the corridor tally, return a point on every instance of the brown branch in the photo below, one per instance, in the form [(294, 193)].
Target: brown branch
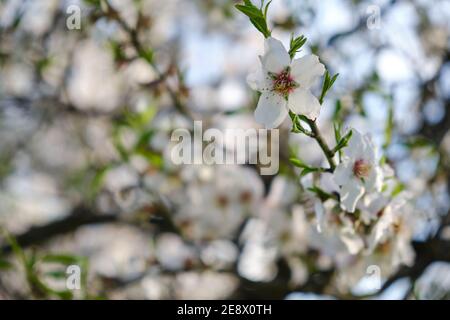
[(80, 216), (427, 252)]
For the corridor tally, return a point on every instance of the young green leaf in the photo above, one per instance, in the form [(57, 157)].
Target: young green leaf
[(327, 84), (296, 44), (256, 15), (321, 193), (298, 163), (147, 55), (306, 169), (5, 265), (389, 127), (61, 258), (343, 142), (337, 116)]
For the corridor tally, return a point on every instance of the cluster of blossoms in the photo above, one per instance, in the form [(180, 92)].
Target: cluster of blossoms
[(348, 216), (217, 200), (360, 210)]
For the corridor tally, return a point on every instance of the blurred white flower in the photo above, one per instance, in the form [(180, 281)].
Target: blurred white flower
[(395, 228), (204, 285), (217, 201), (220, 254), (358, 172), (172, 253), (285, 84), (94, 65), (335, 230)]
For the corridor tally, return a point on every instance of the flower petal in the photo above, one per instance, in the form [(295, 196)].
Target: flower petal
[(271, 110), (302, 101), (375, 180), (353, 242), (343, 172), (361, 147), (306, 70), (350, 193), (381, 228), (320, 215), (275, 58), (259, 80), (356, 146)]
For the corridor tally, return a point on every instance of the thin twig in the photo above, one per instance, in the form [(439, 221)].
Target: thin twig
[(329, 154)]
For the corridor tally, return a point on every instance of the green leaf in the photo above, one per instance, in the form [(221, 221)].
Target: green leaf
[(323, 196), (16, 248), (337, 126), (298, 163), (418, 142), (152, 157), (307, 171), (337, 131), (337, 111), (397, 189), (42, 64), (306, 168), (56, 274), (296, 124), (266, 8), (95, 3), (256, 15), (97, 181), (389, 127), (343, 142), (120, 148), (147, 55), (327, 84), (296, 44), (117, 51), (5, 265), (139, 120), (64, 259)]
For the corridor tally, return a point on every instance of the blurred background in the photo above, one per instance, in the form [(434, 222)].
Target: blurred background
[(86, 114)]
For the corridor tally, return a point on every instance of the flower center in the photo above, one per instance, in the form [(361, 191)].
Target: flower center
[(222, 201), (283, 83), (361, 168)]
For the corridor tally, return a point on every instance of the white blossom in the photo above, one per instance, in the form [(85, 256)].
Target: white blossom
[(285, 84), (358, 172), (217, 201)]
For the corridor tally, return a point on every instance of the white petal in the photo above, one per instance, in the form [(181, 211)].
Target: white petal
[(320, 215), (306, 70), (353, 242), (361, 147), (302, 101), (403, 253), (271, 110), (253, 79), (375, 180), (343, 173), (275, 58), (259, 80), (350, 193), (381, 228), (356, 146)]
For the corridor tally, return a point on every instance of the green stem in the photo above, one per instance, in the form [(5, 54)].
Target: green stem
[(329, 154)]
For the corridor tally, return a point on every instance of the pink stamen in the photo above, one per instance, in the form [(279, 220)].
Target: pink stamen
[(361, 168), (283, 83)]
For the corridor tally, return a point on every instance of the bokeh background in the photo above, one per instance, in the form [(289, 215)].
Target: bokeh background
[(85, 173)]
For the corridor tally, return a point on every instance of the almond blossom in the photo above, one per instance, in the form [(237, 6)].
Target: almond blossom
[(358, 172), (285, 85)]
